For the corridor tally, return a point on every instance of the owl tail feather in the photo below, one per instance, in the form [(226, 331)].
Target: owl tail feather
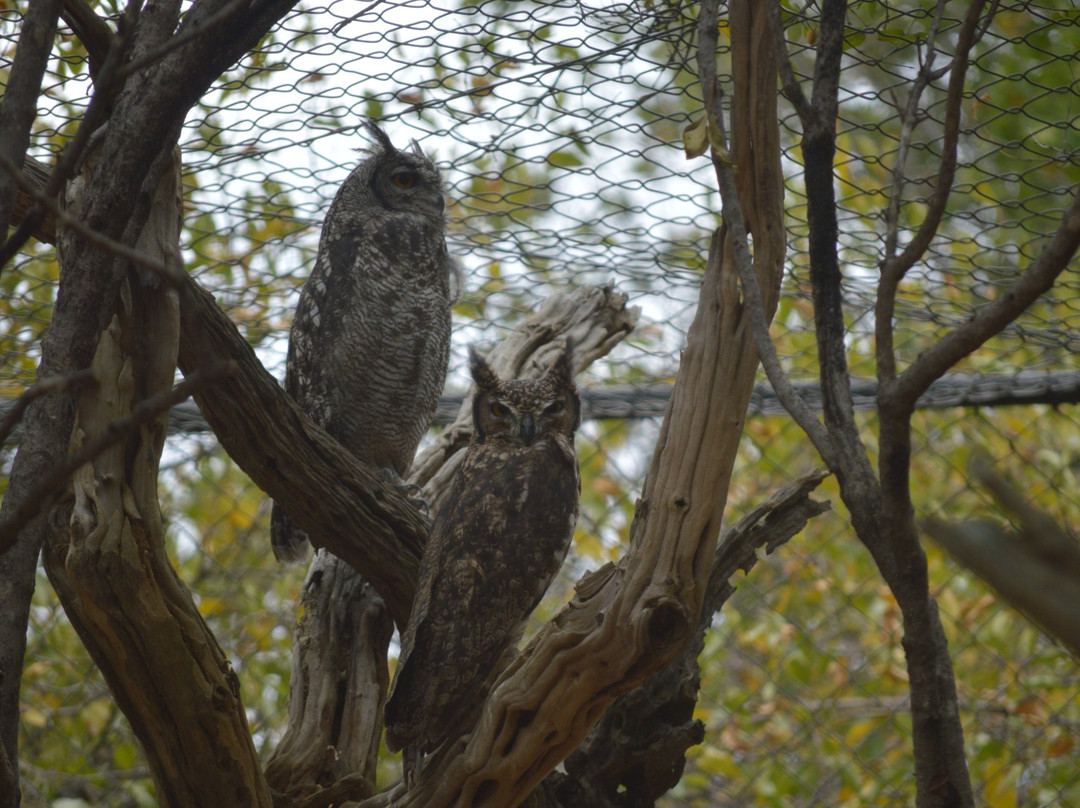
[(289, 543)]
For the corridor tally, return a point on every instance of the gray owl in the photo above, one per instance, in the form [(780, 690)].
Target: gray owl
[(496, 545), (371, 337)]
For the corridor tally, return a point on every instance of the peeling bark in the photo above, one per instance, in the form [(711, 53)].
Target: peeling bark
[(109, 568), (338, 683), (638, 750)]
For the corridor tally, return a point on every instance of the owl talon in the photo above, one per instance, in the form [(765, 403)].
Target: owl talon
[(411, 491)]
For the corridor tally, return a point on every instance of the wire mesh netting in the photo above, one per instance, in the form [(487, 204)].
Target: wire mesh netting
[(557, 127)]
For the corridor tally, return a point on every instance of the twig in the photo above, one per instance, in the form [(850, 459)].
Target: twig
[(72, 381), (181, 38), (23, 82), (992, 317), (1037, 569), (171, 275), (790, 86), (115, 432), (337, 28), (708, 19), (909, 119), (893, 267)]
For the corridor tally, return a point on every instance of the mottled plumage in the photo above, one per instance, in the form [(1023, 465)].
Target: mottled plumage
[(496, 545), (371, 336)]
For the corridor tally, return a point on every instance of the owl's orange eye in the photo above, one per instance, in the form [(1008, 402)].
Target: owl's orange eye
[(499, 410), (404, 179)]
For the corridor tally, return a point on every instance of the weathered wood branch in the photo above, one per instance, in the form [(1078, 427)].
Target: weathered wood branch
[(110, 569), (337, 686), (596, 318), (342, 504), (638, 750), (1037, 567)]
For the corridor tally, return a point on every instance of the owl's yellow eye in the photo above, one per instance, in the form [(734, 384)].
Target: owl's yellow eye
[(499, 410), (404, 179)]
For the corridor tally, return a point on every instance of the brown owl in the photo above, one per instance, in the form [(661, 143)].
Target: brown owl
[(495, 547), (371, 337)]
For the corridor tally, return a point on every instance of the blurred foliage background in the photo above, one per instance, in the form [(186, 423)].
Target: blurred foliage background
[(557, 126)]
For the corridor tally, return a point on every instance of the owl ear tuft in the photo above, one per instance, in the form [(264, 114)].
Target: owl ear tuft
[(381, 137), (484, 377)]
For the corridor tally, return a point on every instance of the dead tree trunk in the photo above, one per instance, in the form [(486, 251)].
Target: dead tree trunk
[(119, 590)]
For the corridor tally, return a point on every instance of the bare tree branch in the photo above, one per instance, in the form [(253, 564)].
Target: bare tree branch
[(792, 401), (893, 267), (182, 38), (992, 317), (117, 431), (789, 83), (735, 224), (1037, 568), (23, 85), (74, 381), (93, 32), (819, 150)]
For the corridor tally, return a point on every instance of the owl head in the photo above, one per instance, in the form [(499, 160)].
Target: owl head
[(524, 410), (404, 182)]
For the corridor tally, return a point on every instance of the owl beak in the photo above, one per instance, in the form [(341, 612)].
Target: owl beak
[(528, 429)]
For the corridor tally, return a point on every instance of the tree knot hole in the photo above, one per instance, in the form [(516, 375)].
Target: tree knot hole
[(680, 502), (667, 625)]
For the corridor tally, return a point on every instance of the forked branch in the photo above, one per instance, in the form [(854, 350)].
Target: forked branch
[(894, 267)]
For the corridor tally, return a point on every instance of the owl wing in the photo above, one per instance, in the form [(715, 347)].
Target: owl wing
[(496, 546), (309, 379), (367, 355)]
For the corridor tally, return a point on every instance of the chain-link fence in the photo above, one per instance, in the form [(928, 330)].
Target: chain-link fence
[(557, 127)]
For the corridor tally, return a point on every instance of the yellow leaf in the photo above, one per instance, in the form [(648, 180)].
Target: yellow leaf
[(34, 718), (999, 792), (858, 731), (696, 139)]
